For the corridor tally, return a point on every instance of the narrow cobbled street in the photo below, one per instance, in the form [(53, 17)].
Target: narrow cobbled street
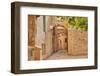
[(62, 54)]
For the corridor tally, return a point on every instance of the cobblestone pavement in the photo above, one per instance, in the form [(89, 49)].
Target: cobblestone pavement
[(62, 54)]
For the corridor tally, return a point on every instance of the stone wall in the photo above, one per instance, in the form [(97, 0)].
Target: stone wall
[(31, 30), (48, 36), (40, 34), (31, 36), (36, 37), (77, 42)]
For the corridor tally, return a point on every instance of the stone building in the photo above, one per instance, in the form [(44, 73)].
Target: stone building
[(59, 37), (41, 36)]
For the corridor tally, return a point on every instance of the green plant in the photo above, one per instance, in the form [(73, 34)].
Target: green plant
[(79, 23)]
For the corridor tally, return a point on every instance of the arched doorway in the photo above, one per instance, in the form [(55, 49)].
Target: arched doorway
[(59, 38)]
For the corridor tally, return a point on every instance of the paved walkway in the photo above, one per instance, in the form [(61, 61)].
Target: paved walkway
[(62, 54)]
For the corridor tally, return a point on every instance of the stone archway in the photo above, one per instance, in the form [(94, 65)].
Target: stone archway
[(60, 38)]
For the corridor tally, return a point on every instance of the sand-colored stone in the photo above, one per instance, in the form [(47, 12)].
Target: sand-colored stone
[(37, 53), (31, 53), (77, 42)]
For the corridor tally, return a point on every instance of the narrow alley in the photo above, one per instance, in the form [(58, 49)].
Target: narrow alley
[(62, 54)]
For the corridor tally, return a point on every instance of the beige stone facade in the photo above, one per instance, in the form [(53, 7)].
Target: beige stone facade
[(77, 42), (60, 38)]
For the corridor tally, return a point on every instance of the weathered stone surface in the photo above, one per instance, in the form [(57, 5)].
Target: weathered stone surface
[(31, 30), (77, 42), (31, 53)]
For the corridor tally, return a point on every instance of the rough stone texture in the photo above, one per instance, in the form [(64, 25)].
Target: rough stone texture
[(77, 42), (31, 30), (34, 53), (60, 38), (40, 34), (48, 37), (31, 36), (37, 53)]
